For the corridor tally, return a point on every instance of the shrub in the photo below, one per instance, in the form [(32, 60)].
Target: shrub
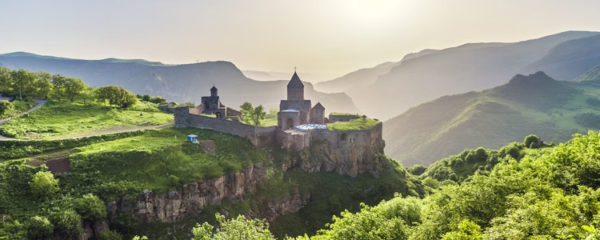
[(90, 207), (68, 224), (39, 228), (44, 185), (417, 169), (235, 228), (109, 235), (532, 141), (5, 107)]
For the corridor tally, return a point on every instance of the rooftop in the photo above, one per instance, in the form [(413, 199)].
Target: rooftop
[(311, 126), (295, 82)]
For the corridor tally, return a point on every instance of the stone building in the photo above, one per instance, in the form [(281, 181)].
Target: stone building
[(212, 105), (296, 110)]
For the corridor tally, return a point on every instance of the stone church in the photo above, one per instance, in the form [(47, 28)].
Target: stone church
[(296, 110)]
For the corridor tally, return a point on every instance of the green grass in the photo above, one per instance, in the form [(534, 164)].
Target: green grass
[(354, 124), (64, 119), (121, 166), (19, 107), (343, 114), (270, 120), (162, 160)]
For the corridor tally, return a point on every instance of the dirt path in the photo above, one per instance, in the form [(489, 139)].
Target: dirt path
[(38, 102), (119, 130)]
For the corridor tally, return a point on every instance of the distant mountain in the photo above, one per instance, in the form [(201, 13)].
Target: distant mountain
[(390, 89), (533, 104), (185, 82), (591, 75), (570, 59), (275, 76), (364, 77)]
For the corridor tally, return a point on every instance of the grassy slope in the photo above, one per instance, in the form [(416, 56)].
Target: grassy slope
[(354, 124), (161, 160), (492, 118), (64, 119), (19, 107), (158, 160)]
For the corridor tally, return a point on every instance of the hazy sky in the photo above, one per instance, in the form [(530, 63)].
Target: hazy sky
[(323, 37)]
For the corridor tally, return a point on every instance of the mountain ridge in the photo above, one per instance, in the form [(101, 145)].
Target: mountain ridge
[(455, 70), (181, 82), (527, 104)]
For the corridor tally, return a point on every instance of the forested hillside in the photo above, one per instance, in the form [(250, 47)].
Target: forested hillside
[(532, 104)]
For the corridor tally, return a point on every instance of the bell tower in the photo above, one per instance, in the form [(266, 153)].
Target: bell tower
[(295, 89)]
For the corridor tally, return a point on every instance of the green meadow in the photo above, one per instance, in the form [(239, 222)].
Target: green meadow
[(65, 119)]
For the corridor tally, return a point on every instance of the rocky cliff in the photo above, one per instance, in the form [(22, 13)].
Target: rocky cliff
[(344, 152)]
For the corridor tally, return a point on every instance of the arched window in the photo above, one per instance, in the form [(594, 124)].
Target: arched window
[(219, 115), (290, 123)]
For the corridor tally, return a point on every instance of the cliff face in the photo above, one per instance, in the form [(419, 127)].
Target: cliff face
[(193, 197), (345, 152)]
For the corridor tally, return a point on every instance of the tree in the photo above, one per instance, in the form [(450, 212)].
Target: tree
[(532, 141), (116, 95), (39, 228), (6, 82), (90, 207), (24, 82), (44, 185), (43, 85), (73, 88), (467, 230), (67, 223), (252, 115), (233, 229), (59, 86), (87, 93)]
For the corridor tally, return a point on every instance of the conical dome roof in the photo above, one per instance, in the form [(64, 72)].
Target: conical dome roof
[(295, 82)]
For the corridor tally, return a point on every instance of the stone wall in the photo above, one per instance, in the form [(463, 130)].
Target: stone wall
[(341, 118), (259, 136)]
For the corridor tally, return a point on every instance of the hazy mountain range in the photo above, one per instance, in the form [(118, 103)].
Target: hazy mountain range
[(186, 82), (389, 89), (533, 104)]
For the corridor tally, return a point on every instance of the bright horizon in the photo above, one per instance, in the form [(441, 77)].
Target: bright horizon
[(323, 39)]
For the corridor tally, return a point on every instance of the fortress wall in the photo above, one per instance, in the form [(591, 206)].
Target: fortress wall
[(259, 136), (341, 118)]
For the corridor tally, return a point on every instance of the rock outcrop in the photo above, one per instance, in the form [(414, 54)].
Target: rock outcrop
[(271, 209), (193, 197), (345, 152)]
